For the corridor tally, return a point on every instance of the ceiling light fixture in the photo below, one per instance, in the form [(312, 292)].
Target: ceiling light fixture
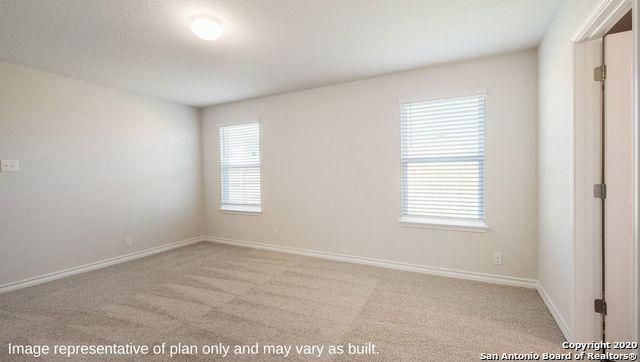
[(206, 27)]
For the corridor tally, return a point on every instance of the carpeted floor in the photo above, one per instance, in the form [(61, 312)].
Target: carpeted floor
[(206, 294)]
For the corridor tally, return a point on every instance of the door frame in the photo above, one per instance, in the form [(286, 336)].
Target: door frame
[(586, 165)]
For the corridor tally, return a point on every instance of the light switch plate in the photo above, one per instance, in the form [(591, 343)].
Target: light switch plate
[(9, 165)]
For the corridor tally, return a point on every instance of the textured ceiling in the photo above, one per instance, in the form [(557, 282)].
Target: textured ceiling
[(269, 46)]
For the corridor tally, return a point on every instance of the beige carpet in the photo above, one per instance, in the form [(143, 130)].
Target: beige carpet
[(208, 293)]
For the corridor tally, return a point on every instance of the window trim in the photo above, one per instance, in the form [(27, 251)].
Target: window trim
[(233, 211), (427, 222), (250, 210), (444, 224)]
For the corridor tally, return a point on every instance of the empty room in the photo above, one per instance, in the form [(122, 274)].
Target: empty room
[(332, 180)]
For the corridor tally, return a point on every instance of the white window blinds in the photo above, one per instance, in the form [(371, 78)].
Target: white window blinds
[(240, 167), (443, 160)]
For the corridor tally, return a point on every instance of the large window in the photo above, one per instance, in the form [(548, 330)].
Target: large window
[(443, 161), (240, 168)]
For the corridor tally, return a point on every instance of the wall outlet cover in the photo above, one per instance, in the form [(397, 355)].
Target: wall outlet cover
[(128, 241), (497, 258)]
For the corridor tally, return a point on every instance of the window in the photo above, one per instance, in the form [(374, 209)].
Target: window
[(240, 168), (443, 162)]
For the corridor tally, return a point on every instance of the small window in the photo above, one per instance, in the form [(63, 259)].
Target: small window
[(443, 161), (240, 168)]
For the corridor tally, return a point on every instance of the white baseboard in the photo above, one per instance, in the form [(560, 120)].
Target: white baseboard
[(445, 272), (564, 327), (96, 265)]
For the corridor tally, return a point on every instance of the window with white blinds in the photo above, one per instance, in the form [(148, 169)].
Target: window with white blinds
[(240, 167), (443, 161)]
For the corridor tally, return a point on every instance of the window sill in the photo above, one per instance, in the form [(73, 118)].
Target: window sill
[(444, 224), (241, 210)]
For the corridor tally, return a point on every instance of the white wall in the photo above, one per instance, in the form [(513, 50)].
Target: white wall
[(556, 253), (331, 168), (96, 165)]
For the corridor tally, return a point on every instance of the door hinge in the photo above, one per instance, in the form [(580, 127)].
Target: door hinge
[(600, 191), (600, 73), (600, 306)]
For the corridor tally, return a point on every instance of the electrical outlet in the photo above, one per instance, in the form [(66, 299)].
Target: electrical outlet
[(497, 258), (128, 241), (276, 233), (9, 165)]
